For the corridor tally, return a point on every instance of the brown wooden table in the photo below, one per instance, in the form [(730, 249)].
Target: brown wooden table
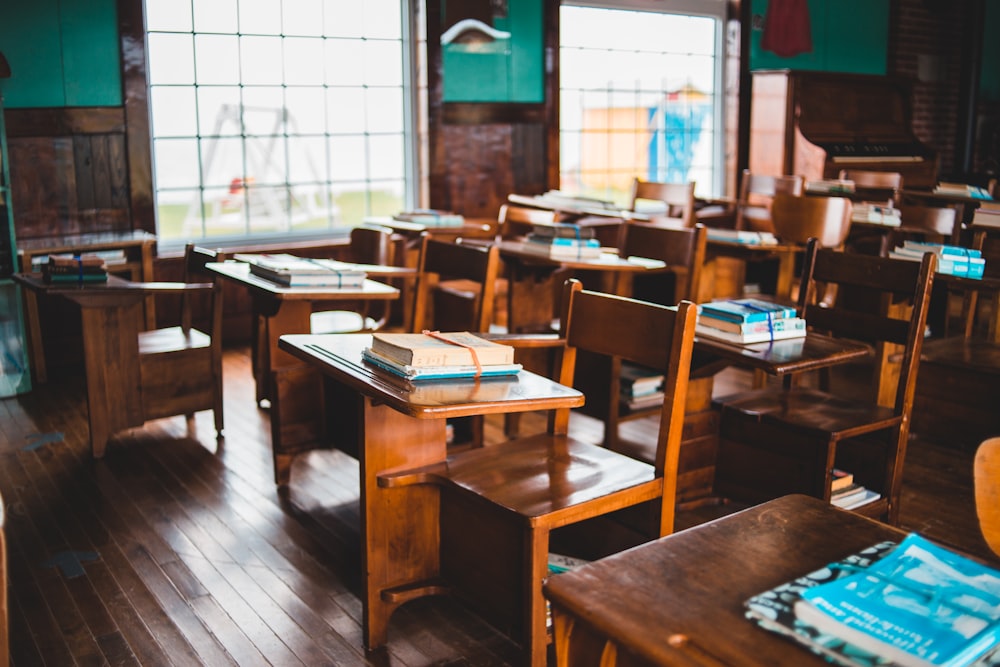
[(679, 600), (137, 249), (111, 315), (391, 424)]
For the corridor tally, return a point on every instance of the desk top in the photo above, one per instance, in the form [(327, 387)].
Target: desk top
[(91, 241), (339, 355), (693, 583), (471, 226), (607, 261), (240, 272), (790, 355)]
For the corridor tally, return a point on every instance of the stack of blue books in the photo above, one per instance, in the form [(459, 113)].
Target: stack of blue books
[(952, 260)]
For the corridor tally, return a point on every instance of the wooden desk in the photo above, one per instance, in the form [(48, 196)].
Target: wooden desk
[(679, 600), (279, 310), (138, 248), (783, 253), (531, 292), (402, 425), (111, 317)]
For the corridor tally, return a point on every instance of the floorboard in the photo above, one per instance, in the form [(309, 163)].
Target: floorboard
[(178, 549)]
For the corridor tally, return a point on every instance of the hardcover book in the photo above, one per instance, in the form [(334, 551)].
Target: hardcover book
[(920, 606), (746, 310), (448, 372), (301, 271), (745, 328), (430, 216), (440, 349), (765, 336)]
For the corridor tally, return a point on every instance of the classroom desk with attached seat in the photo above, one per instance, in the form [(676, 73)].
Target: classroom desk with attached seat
[(679, 600), (391, 423), (136, 262), (279, 310)]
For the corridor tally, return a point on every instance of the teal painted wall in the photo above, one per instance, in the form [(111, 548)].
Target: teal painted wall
[(62, 53), (847, 36), (989, 75)]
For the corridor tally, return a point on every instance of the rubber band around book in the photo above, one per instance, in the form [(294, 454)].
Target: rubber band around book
[(79, 267), (770, 317), (475, 357)]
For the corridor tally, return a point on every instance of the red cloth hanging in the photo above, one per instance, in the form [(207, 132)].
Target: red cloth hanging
[(786, 28)]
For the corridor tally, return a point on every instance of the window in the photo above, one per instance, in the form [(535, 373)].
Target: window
[(641, 95), (277, 118)]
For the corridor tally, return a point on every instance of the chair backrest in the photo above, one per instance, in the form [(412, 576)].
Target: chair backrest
[(516, 221), (875, 185), (371, 244), (798, 219), (986, 482), (682, 249), (441, 261), (654, 336), (195, 259), (879, 300), (677, 197), (986, 239), (936, 221), (757, 191)]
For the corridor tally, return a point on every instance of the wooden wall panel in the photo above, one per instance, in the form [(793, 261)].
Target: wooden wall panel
[(43, 186)]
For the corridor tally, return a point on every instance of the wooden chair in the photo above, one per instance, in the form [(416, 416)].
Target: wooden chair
[(454, 292), (956, 393), (986, 481), (598, 376), (876, 186), (757, 192), (515, 221), (788, 439), (798, 219), (370, 244), (677, 197), (181, 366), (500, 503)]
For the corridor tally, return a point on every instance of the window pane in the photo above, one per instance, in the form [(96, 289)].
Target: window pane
[(342, 58), (386, 156), (175, 106), (221, 161), (171, 59), (346, 110), (168, 15), (381, 18), (343, 19), (306, 109), (218, 59), (176, 163), (261, 60), (301, 58), (299, 17), (215, 16), (218, 111), (348, 158), (385, 110), (260, 17), (383, 63)]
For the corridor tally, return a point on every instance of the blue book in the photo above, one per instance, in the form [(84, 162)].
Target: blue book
[(920, 606), (746, 310), (941, 250)]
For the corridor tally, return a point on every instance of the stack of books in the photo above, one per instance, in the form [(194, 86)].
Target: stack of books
[(830, 186), (748, 321), (911, 604), (640, 387), (744, 236), (66, 268), (952, 260), (434, 356), (876, 213), (563, 241), (292, 271), (847, 494), (962, 190), (430, 216)]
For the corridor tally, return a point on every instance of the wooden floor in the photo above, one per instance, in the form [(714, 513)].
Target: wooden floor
[(174, 549)]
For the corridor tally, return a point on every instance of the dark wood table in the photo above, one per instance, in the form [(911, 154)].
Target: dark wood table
[(137, 249), (111, 315), (679, 600), (390, 423)]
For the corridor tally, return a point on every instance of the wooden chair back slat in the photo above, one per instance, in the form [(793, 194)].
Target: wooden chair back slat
[(681, 249), (515, 221), (678, 198), (798, 219), (757, 192), (454, 260)]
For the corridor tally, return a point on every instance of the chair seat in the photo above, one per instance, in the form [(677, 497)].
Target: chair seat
[(340, 321), (171, 339), (809, 410), (539, 475)]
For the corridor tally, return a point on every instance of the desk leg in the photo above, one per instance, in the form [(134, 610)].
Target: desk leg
[(400, 530), (111, 356), (292, 317), (36, 351)]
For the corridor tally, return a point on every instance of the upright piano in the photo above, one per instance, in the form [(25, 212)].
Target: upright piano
[(817, 123)]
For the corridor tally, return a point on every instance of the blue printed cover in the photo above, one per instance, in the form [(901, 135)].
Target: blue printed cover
[(921, 601), (746, 310)]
